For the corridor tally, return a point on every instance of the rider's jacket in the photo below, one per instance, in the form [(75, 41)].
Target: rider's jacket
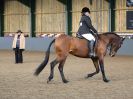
[(86, 26)]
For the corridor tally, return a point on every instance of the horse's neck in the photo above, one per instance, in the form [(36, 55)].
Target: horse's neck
[(112, 38), (108, 38)]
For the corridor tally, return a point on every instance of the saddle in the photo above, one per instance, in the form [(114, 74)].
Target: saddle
[(81, 37)]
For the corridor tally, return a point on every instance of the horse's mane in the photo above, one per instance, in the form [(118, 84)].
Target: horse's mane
[(106, 33)]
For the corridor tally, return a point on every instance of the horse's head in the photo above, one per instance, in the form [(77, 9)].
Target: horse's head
[(115, 45)]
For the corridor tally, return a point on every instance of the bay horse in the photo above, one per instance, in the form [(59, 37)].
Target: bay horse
[(65, 44)]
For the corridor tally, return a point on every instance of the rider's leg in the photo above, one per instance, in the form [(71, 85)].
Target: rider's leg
[(91, 47), (91, 42)]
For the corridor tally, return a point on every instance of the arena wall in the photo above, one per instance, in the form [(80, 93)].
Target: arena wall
[(41, 44), (51, 16)]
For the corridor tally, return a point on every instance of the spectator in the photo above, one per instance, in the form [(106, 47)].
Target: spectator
[(18, 46)]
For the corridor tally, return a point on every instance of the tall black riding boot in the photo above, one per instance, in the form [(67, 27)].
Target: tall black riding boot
[(91, 47)]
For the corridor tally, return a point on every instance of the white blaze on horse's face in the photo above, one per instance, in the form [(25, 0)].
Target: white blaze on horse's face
[(112, 51), (115, 47)]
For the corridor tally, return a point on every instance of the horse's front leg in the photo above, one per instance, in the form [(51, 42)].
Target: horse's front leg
[(95, 62), (101, 62)]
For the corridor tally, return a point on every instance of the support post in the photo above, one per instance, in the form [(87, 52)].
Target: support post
[(32, 17), (69, 16), (112, 14), (2, 18)]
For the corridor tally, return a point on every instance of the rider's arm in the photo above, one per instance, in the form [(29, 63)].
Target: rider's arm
[(89, 24)]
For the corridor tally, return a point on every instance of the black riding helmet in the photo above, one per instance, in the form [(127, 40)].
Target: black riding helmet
[(85, 9)]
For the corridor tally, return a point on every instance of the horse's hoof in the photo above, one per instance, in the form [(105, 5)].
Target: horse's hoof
[(89, 75), (106, 80), (86, 77), (65, 81), (48, 81)]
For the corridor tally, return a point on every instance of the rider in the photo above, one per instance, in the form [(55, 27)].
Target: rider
[(86, 29)]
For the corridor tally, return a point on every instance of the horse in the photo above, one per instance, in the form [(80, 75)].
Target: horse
[(65, 45)]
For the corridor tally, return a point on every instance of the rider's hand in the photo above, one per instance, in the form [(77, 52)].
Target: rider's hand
[(96, 35)]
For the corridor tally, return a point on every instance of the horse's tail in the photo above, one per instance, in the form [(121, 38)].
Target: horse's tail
[(45, 61)]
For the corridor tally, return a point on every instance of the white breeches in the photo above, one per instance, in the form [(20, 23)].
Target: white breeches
[(89, 37)]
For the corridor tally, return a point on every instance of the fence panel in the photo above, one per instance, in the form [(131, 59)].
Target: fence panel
[(15, 17), (50, 17)]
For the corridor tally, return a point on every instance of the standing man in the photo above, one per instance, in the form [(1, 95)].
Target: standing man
[(18, 46)]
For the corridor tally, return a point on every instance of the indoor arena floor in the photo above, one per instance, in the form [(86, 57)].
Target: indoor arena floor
[(18, 82)]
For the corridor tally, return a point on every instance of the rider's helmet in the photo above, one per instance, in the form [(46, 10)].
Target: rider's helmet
[(85, 9)]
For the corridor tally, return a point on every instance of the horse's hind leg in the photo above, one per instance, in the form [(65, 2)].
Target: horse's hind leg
[(61, 65), (95, 62), (52, 64)]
